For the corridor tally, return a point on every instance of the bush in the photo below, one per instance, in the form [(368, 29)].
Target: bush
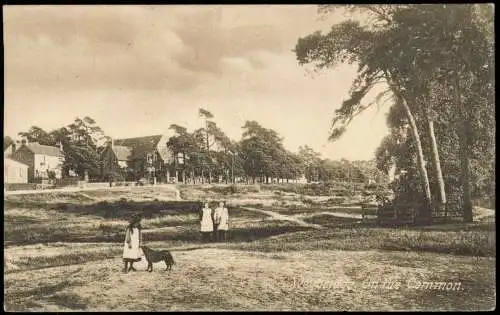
[(20, 186), (336, 200), (114, 177), (234, 189)]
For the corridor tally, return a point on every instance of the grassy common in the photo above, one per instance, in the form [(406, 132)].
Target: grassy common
[(61, 249)]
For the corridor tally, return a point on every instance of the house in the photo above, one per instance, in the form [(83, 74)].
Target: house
[(142, 156), (9, 150), (115, 158), (14, 172), (42, 160)]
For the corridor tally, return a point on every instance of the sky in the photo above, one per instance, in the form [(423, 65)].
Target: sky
[(138, 69)]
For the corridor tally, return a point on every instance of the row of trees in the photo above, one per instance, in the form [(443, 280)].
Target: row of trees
[(437, 62), (81, 141), (206, 154), (259, 156)]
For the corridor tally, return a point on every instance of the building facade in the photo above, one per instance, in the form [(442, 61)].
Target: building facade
[(43, 161), (14, 172), (142, 157)]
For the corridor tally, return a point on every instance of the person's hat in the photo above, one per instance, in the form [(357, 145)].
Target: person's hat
[(135, 218)]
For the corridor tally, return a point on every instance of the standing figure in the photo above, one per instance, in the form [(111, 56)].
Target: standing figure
[(221, 217), (206, 222), (133, 240)]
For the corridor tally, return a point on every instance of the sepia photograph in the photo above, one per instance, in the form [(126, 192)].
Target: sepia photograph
[(334, 157)]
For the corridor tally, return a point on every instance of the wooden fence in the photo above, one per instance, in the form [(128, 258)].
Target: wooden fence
[(403, 214)]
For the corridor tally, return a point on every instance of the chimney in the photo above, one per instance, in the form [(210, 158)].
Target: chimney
[(24, 141)]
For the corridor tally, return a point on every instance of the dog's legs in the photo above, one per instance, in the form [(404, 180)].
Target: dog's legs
[(150, 266), (169, 266), (131, 268)]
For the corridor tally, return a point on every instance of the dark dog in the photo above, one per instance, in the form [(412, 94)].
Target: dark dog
[(153, 256)]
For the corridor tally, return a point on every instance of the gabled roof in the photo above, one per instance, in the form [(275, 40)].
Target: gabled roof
[(122, 153), (7, 151), (139, 145), (37, 148), (13, 162)]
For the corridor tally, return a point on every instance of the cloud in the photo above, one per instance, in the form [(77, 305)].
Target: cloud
[(213, 33), (63, 24), (208, 41), (143, 47), (89, 48), (156, 65)]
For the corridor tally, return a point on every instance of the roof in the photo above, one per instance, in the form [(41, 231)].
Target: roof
[(37, 148), (6, 145), (14, 162), (139, 145), (8, 150), (122, 153)]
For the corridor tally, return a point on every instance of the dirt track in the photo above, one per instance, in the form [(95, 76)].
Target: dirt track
[(208, 278), (283, 217), (216, 279)]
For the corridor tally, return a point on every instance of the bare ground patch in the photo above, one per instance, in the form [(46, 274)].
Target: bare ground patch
[(217, 279)]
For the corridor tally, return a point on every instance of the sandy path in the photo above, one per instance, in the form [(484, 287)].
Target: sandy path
[(279, 216), (334, 214), (80, 189), (482, 213), (220, 279)]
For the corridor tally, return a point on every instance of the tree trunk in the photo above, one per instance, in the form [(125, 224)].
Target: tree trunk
[(232, 172), (184, 176), (202, 177), (437, 167), (465, 178), (425, 213), (463, 134)]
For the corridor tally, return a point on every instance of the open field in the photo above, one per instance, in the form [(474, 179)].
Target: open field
[(62, 253)]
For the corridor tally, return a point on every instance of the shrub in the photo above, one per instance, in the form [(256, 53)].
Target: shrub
[(114, 177), (336, 200), (233, 189)]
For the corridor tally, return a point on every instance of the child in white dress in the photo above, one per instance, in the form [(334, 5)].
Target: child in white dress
[(131, 247), (206, 223), (221, 218)]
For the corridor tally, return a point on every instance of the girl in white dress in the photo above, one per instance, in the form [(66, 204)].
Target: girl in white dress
[(133, 240), (221, 218), (206, 222)]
